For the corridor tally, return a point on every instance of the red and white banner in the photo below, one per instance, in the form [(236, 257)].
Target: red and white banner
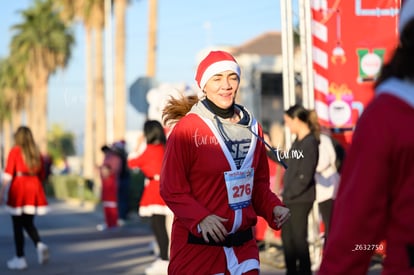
[(351, 40)]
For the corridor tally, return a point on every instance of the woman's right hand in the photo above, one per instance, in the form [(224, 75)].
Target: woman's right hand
[(213, 225)]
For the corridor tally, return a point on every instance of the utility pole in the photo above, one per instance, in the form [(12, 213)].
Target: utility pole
[(288, 61), (306, 53), (152, 38), (109, 84)]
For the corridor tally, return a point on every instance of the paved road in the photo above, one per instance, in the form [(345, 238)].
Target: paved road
[(77, 248)]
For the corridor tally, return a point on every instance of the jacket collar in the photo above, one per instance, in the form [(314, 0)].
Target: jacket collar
[(403, 89)]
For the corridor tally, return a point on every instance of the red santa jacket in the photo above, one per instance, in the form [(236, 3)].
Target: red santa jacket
[(149, 162), (193, 186), (375, 199)]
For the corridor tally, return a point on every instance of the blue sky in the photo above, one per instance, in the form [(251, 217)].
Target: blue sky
[(182, 32)]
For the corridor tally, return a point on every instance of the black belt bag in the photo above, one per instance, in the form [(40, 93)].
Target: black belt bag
[(235, 239)]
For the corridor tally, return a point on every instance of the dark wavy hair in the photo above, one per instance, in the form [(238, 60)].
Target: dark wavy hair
[(154, 132), (401, 63)]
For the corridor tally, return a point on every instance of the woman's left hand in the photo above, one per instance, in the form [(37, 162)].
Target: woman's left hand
[(281, 215)]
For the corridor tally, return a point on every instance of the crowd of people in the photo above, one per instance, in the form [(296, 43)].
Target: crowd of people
[(206, 165)]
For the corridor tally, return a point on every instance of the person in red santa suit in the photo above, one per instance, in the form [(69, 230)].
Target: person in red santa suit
[(109, 171), (215, 177), (375, 197), (152, 205), (25, 196)]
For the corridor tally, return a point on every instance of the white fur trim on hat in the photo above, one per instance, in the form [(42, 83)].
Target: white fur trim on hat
[(218, 67), (406, 14)]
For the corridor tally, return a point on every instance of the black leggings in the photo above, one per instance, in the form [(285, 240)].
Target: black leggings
[(161, 235), (295, 239), (325, 208), (24, 222)]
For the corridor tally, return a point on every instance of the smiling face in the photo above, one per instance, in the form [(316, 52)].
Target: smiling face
[(222, 88)]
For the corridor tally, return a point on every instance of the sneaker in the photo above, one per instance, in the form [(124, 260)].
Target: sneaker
[(121, 222), (101, 227), (42, 253), (18, 263), (159, 267)]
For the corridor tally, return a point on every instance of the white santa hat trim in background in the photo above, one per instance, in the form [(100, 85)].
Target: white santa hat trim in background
[(215, 62), (406, 14)]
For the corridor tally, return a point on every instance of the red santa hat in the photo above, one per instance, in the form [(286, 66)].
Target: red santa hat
[(215, 62), (406, 14)]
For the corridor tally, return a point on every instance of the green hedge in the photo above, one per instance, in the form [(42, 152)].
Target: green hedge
[(136, 186), (75, 187), (70, 186)]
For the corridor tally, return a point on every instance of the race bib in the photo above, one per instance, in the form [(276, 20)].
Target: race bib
[(239, 187)]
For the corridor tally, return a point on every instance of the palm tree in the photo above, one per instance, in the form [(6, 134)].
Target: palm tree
[(71, 11), (14, 89), (120, 90), (95, 16), (5, 109), (91, 13), (44, 42)]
